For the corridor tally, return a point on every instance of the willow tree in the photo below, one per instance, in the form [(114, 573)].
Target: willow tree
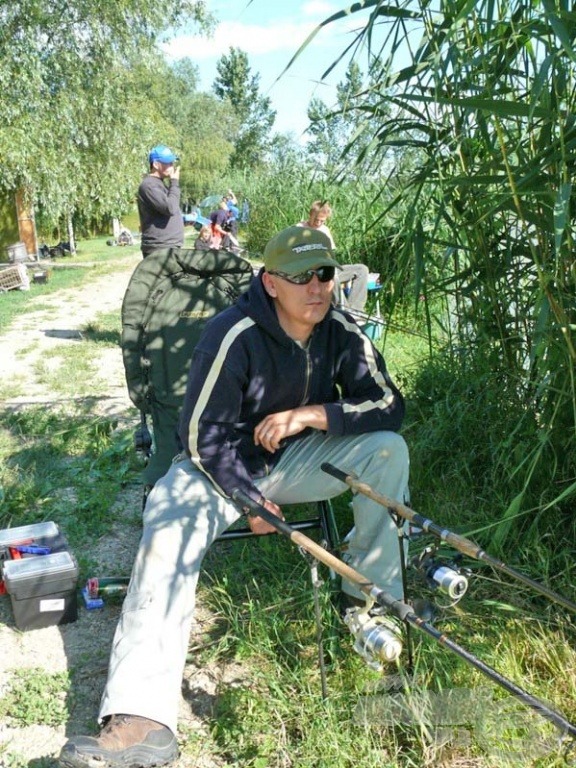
[(483, 94), (69, 132)]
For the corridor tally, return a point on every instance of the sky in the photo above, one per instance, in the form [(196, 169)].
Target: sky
[(270, 32)]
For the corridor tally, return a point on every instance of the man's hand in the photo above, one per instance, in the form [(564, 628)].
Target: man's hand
[(258, 525), (275, 427)]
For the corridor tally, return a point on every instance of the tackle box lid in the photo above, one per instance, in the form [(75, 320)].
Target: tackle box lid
[(47, 567), (23, 532)]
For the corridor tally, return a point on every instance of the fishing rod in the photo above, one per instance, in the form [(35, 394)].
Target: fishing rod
[(461, 543), (372, 637), (366, 317)]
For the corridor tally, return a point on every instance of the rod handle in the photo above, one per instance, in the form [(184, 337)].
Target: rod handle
[(339, 474)]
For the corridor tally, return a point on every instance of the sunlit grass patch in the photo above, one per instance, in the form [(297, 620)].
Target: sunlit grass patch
[(36, 697)]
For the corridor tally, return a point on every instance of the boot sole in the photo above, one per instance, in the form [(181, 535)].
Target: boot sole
[(134, 757)]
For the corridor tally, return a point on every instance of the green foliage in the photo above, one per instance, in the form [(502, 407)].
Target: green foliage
[(477, 217), (236, 85), (71, 134), (35, 697), (461, 407), (334, 129), (46, 452), (473, 429), (207, 146)]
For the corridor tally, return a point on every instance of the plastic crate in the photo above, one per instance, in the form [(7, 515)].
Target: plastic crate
[(42, 590), (14, 277)]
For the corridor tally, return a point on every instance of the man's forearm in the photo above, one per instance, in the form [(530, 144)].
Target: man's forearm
[(314, 416)]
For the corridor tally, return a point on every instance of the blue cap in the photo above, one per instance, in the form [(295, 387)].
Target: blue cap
[(162, 154)]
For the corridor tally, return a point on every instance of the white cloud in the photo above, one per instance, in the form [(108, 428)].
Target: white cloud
[(271, 34), (253, 39), (318, 9)]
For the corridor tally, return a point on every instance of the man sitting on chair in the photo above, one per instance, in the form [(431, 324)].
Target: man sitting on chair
[(280, 383)]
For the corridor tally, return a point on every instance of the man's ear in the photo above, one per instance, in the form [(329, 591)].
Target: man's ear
[(269, 286)]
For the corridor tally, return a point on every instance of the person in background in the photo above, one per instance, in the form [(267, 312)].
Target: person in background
[(220, 223), (219, 219), (280, 383), (234, 211), (161, 223), (206, 240), (319, 213), (351, 288)]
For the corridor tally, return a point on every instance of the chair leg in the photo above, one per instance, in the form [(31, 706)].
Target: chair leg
[(328, 525)]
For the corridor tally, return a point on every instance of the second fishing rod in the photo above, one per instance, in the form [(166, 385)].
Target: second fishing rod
[(460, 543)]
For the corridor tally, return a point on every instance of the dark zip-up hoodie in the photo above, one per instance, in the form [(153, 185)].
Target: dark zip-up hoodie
[(245, 367)]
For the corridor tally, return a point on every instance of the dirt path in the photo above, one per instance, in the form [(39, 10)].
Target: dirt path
[(83, 646), (58, 321)]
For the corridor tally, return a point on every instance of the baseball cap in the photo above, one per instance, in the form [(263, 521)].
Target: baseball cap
[(296, 249), (162, 154)]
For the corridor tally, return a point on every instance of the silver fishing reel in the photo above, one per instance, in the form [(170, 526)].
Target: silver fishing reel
[(449, 581), (377, 638), (442, 574)]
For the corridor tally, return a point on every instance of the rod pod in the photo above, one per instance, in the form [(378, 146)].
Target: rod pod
[(398, 608), (461, 543)]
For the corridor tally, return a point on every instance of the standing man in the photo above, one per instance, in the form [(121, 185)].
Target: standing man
[(280, 383), (161, 221)]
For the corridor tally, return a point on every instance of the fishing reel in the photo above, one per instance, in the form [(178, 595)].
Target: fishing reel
[(377, 637), (446, 575)]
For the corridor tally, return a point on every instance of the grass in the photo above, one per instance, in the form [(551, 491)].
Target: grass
[(46, 452), (274, 636), (93, 258), (68, 465), (73, 370), (36, 698)]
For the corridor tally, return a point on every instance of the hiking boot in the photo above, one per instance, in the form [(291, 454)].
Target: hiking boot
[(125, 741)]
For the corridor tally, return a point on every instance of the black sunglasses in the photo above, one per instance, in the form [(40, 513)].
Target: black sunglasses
[(324, 275)]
